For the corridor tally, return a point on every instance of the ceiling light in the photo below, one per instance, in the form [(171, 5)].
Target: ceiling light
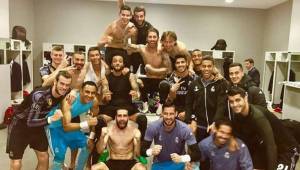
[(229, 1)]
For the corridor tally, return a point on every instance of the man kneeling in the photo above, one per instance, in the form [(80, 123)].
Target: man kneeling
[(122, 139)]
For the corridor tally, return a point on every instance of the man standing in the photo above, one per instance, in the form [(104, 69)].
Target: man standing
[(270, 144), (170, 137), (205, 100), (29, 118), (64, 134), (222, 155), (117, 35), (252, 71), (122, 139), (175, 87), (240, 79), (142, 26)]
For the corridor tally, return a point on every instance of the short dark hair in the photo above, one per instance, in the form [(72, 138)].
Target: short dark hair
[(64, 74), (152, 29), (234, 90), (250, 60), (196, 50), (93, 49), (168, 105), (90, 83), (180, 56), (209, 58), (236, 65), (139, 9), (78, 52), (122, 108), (226, 122), (125, 8)]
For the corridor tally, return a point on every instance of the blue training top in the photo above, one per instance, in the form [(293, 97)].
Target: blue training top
[(77, 109)]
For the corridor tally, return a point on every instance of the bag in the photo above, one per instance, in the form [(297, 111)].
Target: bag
[(8, 115), (19, 33)]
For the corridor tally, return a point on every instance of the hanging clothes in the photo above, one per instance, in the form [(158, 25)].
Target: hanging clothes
[(15, 76), (26, 74)]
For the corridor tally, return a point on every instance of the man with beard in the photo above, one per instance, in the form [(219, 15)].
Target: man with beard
[(205, 99), (122, 139), (117, 35), (170, 137), (222, 155), (64, 134), (156, 65), (175, 87), (29, 118), (58, 63), (240, 79), (142, 27), (171, 47), (270, 144), (123, 89)]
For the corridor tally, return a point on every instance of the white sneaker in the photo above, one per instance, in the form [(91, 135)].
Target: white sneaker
[(159, 109), (145, 107)]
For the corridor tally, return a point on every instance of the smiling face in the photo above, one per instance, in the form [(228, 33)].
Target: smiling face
[(222, 135), (236, 74), (62, 85), (152, 39), (88, 93), (117, 63), (57, 56), (197, 57), (139, 17), (181, 65), (206, 69), (169, 116), (122, 118), (78, 61), (125, 16), (237, 103), (95, 57)]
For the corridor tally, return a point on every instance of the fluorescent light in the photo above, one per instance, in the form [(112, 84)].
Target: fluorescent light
[(229, 1)]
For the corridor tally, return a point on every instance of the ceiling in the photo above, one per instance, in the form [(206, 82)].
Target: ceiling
[(259, 4)]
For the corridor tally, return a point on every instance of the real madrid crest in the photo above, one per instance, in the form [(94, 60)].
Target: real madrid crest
[(49, 101), (213, 89)]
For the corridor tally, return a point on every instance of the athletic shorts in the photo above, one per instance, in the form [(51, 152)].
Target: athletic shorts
[(111, 110), (120, 164), (59, 141), (168, 165), (20, 136), (110, 52)]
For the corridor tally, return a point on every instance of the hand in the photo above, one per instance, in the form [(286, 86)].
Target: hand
[(125, 70), (108, 39), (71, 97), (175, 157), (188, 166), (176, 85), (57, 115), (70, 69), (107, 96), (233, 145), (92, 121), (193, 126), (135, 95), (156, 150), (211, 128), (181, 115), (64, 62)]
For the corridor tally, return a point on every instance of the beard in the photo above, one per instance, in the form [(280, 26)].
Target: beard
[(57, 91), (120, 125), (166, 123), (120, 68)]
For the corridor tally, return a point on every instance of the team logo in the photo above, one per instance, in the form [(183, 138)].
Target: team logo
[(213, 89), (49, 101), (227, 155), (11, 154), (160, 138), (212, 153), (196, 88), (176, 140)]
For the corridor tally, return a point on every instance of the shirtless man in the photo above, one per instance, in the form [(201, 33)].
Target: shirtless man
[(122, 139), (117, 35), (156, 65), (171, 47), (78, 74)]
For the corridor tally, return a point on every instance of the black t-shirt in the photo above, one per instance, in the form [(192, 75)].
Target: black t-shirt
[(120, 87), (142, 32)]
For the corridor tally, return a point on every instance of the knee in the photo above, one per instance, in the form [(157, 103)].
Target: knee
[(15, 164), (43, 157), (139, 166), (99, 166)]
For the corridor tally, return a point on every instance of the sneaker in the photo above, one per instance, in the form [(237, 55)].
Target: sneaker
[(159, 109)]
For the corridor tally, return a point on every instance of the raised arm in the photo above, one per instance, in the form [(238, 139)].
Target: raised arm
[(106, 38), (137, 143), (102, 142)]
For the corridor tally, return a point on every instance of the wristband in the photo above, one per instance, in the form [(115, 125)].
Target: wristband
[(84, 125), (149, 152), (92, 135), (142, 160), (185, 158), (49, 120)]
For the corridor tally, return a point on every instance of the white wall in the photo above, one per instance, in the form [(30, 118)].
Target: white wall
[(277, 27), (82, 21), (4, 19), (294, 42)]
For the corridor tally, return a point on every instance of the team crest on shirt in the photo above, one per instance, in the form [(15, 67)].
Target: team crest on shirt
[(227, 155), (176, 140), (212, 153), (160, 138), (11, 154), (213, 89), (49, 101), (196, 88)]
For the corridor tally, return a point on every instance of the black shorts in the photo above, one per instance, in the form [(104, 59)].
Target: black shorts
[(110, 110), (20, 136), (110, 52), (120, 164)]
